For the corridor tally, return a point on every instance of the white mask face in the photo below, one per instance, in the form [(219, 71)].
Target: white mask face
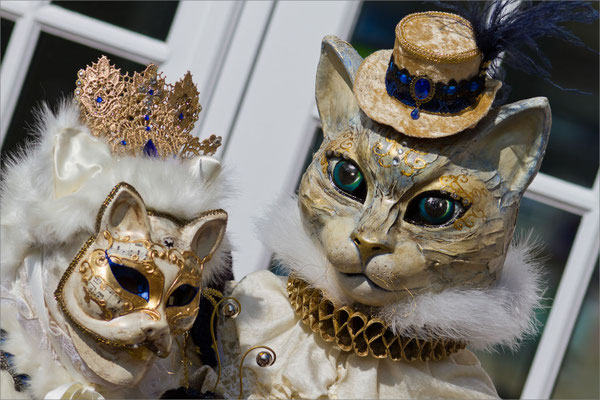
[(136, 284)]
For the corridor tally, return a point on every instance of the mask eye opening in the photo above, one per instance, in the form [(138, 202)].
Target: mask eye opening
[(131, 280), (182, 296), (347, 179), (435, 209)]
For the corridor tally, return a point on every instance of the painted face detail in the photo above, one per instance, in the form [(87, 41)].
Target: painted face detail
[(398, 215), (127, 287)]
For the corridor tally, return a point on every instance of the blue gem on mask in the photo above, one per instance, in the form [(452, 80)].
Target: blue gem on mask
[(148, 128), (147, 117), (422, 88), (123, 142), (99, 99), (150, 149), (180, 116), (151, 92), (415, 114)]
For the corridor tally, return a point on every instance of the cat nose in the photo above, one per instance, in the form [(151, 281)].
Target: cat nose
[(369, 248)]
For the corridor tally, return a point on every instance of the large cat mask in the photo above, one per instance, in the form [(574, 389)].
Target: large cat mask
[(417, 230)]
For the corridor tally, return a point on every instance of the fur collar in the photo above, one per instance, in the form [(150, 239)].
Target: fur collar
[(502, 315), (33, 216)]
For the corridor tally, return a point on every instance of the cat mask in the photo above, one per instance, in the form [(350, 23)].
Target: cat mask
[(136, 283), (398, 216)]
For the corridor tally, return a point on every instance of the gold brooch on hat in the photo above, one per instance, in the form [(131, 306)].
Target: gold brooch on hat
[(141, 113)]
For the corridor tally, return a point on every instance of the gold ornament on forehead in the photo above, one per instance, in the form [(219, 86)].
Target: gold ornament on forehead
[(142, 113)]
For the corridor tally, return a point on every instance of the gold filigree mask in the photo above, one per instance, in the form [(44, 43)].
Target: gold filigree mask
[(137, 281)]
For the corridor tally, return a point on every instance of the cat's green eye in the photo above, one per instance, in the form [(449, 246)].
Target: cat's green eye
[(434, 209), (347, 178)]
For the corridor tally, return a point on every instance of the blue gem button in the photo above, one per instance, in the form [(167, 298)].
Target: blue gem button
[(422, 89), (415, 114)]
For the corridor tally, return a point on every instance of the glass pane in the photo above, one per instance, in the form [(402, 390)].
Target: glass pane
[(556, 230), (43, 84), (578, 375), (7, 27), (572, 152), (151, 18)]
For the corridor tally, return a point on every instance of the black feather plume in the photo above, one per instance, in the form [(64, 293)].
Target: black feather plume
[(510, 29)]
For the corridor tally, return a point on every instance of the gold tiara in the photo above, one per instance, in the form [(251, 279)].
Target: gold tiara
[(141, 114)]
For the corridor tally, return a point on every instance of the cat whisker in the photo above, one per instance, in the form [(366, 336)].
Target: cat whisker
[(414, 303)]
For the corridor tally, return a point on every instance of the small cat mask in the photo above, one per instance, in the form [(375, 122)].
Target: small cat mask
[(398, 215), (136, 284)]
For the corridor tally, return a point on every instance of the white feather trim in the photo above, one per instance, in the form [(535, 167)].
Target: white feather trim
[(502, 315), (31, 214)]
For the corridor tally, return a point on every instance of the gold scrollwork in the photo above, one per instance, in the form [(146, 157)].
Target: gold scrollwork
[(411, 160), (454, 185)]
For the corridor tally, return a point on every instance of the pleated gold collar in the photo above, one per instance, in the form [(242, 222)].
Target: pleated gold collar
[(354, 331)]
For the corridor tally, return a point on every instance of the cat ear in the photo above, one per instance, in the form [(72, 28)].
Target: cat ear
[(205, 233), (513, 140), (125, 213), (335, 77)]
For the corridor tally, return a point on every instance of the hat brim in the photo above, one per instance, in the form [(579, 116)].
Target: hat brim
[(373, 99)]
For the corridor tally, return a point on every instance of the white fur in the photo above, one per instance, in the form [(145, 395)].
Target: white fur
[(502, 315), (35, 220), (31, 215)]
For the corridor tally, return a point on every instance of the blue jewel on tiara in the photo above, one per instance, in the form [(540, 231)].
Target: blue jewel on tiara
[(150, 149)]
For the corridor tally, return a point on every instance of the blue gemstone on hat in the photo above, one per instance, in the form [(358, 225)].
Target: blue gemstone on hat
[(123, 142), (473, 86), (422, 89), (148, 128), (99, 99), (451, 89), (180, 116), (147, 117), (404, 79), (415, 114), (150, 149), (151, 92)]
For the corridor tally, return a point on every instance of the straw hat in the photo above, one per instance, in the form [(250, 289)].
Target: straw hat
[(433, 83)]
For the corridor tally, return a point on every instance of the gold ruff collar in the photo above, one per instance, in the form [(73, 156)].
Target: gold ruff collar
[(354, 331)]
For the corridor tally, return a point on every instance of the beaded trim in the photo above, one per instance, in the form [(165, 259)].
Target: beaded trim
[(431, 55), (356, 332), (450, 98)]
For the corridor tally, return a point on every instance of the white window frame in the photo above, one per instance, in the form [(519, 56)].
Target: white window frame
[(255, 64)]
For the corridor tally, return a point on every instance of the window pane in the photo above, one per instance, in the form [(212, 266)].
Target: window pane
[(51, 76), (572, 152), (578, 375), (151, 18), (556, 230), (7, 27)]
